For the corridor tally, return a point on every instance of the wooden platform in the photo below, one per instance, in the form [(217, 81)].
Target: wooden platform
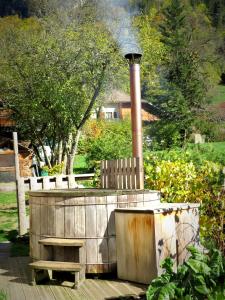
[(15, 278)]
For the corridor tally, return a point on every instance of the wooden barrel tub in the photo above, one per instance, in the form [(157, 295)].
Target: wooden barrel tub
[(86, 214)]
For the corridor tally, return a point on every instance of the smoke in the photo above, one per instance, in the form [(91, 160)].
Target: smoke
[(117, 15)]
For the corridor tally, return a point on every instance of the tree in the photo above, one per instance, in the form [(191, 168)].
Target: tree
[(182, 80), (53, 71), (217, 11)]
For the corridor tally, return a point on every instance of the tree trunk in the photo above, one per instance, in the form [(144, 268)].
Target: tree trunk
[(73, 151), (53, 147), (60, 152), (47, 161), (67, 151)]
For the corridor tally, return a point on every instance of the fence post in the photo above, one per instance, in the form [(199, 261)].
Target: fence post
[(21, 205)]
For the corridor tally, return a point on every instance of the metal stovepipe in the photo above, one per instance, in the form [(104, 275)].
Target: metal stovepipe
[(136, 117)]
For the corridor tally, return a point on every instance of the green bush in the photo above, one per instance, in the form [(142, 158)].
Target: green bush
[(181, 180), (105, 140), (200, 277)]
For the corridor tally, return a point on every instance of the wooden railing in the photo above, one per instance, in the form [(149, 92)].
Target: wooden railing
[(53, 182), (122, 174)]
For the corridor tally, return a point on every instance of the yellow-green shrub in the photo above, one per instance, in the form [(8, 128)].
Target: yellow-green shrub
[(185, 181), (57, 169)]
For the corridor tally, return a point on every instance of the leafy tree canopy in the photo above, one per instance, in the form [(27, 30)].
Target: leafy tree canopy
[(53, 71)]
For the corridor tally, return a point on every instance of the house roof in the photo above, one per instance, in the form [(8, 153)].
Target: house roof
[(117, 96)]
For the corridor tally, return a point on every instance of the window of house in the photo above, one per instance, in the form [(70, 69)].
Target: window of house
[(109, 115), (116, 115)]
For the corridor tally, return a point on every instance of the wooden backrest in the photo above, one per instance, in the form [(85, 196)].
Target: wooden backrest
[(122, 174)]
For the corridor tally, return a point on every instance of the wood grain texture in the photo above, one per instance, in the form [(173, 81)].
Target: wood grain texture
[(62, 242), (122, 174), (59, 218), (91, 231), (144, 238), (63, 215), (51, 216), (55, 265), (135, 247), (69, 220)]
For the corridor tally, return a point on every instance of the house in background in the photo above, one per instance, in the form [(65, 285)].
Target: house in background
[(7, 156), (117, 106), (7, 163), (7, 125)]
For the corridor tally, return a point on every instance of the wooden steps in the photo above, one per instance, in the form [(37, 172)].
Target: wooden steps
[(56, 265), (45, 266), (62, 242)]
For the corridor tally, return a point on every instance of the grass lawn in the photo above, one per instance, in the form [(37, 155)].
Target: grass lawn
[(210, 151), (218, 94), (8, 214), (9, 224), (80, 165)]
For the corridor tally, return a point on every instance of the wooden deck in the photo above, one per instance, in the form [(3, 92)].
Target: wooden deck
[(15, 278)]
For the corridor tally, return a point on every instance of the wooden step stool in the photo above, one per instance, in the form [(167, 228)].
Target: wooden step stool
[(77, 267)]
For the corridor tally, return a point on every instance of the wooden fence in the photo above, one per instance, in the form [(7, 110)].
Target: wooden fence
[(53, 182), (122, 174)]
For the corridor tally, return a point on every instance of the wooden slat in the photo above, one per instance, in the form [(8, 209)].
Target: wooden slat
[(102, 174), (91, 231), (55, 265), (46, 185), (80, 217), (69, 218), (124, 172), (59, 181), (34, 186), (71, 182), (51, 217), (128, 173), (7, 169), (112, 173), (109, 169), (106, 179), (62, 242), (119, 178), (133, 179), (44, 217), (101, 225), (115, 172), (138, 174)]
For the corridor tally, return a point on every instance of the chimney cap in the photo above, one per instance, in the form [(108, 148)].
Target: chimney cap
[(133, 57)]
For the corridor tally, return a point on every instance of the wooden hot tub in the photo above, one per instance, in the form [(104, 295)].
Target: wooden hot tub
[(86, 214)]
